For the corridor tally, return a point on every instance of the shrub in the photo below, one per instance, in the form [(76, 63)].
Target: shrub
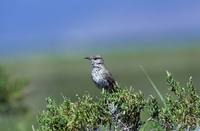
[(10, 92), (122, 111), (182, 110), (119, 110)]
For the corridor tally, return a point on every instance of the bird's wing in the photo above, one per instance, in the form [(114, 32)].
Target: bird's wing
[(111, 80)]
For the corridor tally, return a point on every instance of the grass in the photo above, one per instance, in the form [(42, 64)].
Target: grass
[(154, 86), (56, 75)]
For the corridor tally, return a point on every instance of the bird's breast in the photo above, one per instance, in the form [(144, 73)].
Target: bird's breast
[(98, 77), (97, 74)]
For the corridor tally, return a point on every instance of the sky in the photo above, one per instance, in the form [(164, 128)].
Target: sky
[(64, 23)]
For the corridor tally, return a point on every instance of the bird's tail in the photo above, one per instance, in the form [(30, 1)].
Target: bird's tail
[(115, 87), (116, 84)]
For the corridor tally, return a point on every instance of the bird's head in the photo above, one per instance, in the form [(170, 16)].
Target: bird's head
[(95, 60)]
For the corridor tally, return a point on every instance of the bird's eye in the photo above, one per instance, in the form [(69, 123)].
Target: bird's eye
[(95, 58)]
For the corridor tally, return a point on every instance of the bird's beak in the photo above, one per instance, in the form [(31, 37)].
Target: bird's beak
[(88, 58)]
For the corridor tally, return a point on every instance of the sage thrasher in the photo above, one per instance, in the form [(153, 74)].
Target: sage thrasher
[(100, 75)]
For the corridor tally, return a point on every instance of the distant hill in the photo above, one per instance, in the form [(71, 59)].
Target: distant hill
[(45, 47)]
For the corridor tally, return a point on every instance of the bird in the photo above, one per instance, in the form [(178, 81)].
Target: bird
[(101, 77)]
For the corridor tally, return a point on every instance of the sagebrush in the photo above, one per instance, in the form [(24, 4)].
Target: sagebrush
[(122, 111)]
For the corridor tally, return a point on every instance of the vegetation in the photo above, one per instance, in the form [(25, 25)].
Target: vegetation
[(69, 75), (182, 106), (122, 110), (115, 111), (11, 93)]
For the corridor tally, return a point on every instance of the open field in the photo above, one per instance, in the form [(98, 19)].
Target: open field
[(70, 75)]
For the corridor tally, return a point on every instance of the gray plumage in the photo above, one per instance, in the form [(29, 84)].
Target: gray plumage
[(100, 75)]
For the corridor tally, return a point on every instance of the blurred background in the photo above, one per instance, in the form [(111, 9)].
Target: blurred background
[(45, 42)]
